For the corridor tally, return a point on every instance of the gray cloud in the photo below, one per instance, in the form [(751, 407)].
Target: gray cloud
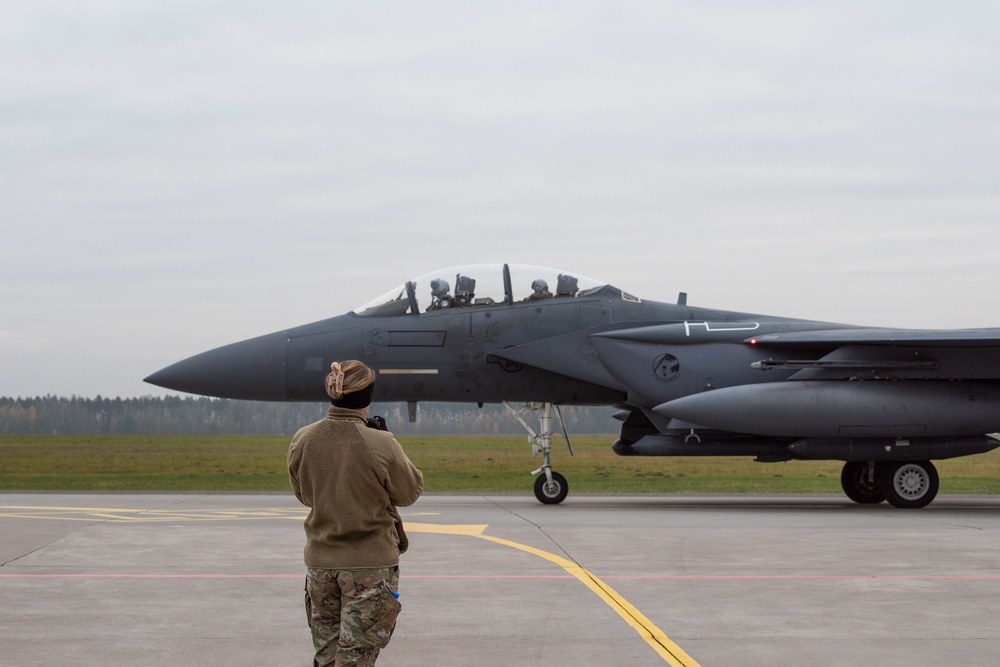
[(179, 175)]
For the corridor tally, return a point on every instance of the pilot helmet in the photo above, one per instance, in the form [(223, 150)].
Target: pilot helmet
[(539, 285), (439, 287)]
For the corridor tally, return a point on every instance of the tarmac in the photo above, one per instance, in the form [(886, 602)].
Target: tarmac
[(490, 580)]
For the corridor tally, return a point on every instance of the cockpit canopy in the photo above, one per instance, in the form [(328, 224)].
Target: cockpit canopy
[(478, 285)]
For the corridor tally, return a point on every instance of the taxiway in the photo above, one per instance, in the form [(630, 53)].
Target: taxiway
[(753, 581)]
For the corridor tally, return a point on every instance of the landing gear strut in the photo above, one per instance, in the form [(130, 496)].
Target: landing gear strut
[(550, 487)]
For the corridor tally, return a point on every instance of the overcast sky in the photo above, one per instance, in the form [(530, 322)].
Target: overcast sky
[(179, 175)]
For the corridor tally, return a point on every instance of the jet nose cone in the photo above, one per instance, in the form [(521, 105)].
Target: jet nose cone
[(252, 370)]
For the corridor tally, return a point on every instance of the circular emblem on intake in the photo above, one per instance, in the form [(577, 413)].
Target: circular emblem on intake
[(666, 368)]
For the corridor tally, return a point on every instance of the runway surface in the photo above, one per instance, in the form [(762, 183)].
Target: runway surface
[(189, 579)]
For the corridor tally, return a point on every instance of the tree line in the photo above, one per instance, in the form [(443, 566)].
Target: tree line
[(176, 415)]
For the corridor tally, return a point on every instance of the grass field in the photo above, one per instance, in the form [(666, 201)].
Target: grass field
[(450, 464)]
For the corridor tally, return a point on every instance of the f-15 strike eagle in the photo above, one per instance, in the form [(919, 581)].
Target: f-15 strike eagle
[(689, 381)]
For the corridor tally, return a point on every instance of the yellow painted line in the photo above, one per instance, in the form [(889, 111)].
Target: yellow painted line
[(671, 653), (475, 530), (126, 515), (69, 509)]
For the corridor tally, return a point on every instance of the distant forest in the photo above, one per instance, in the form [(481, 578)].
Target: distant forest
[(172, 415)]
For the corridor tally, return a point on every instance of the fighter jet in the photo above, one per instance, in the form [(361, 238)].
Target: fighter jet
[(688, 381)]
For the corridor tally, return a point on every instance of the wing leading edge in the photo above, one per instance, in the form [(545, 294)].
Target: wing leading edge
[(883, 354), (915, 337)]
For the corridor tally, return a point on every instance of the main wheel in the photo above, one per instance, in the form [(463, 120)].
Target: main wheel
[(910, 484), (861, 482), (551, 493)]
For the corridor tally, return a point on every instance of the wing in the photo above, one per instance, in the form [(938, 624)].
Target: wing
[(919, 337), (884, 354), (816, 354)]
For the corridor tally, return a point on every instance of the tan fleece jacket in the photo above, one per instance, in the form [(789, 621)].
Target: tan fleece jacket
[(352, 478)]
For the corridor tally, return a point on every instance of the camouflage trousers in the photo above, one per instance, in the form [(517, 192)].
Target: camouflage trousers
[(351, 613)]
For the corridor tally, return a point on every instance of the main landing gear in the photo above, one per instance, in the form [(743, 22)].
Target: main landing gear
[(906, 484), (550, 487)]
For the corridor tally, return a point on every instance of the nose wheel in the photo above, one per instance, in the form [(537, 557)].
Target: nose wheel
[(550, 487)]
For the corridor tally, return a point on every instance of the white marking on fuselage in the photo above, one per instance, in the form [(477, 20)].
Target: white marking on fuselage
[(712, 327), (408, 371)]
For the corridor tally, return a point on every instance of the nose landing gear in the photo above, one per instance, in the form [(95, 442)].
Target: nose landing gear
[(550, 487)]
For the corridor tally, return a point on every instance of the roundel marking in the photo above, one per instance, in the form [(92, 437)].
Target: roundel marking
[(666, 368)]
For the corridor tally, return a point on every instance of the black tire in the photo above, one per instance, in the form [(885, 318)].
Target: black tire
[(859, 485), (551, 494), (910, 484)]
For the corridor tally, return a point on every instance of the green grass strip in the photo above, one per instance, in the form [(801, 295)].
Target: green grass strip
[(476, 464)]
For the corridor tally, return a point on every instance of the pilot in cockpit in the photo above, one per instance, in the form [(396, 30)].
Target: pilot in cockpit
[(465, 290), (539, 291), (440, 297), (566, 285)]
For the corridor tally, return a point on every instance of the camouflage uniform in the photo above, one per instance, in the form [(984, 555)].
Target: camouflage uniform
[(351, 613)]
